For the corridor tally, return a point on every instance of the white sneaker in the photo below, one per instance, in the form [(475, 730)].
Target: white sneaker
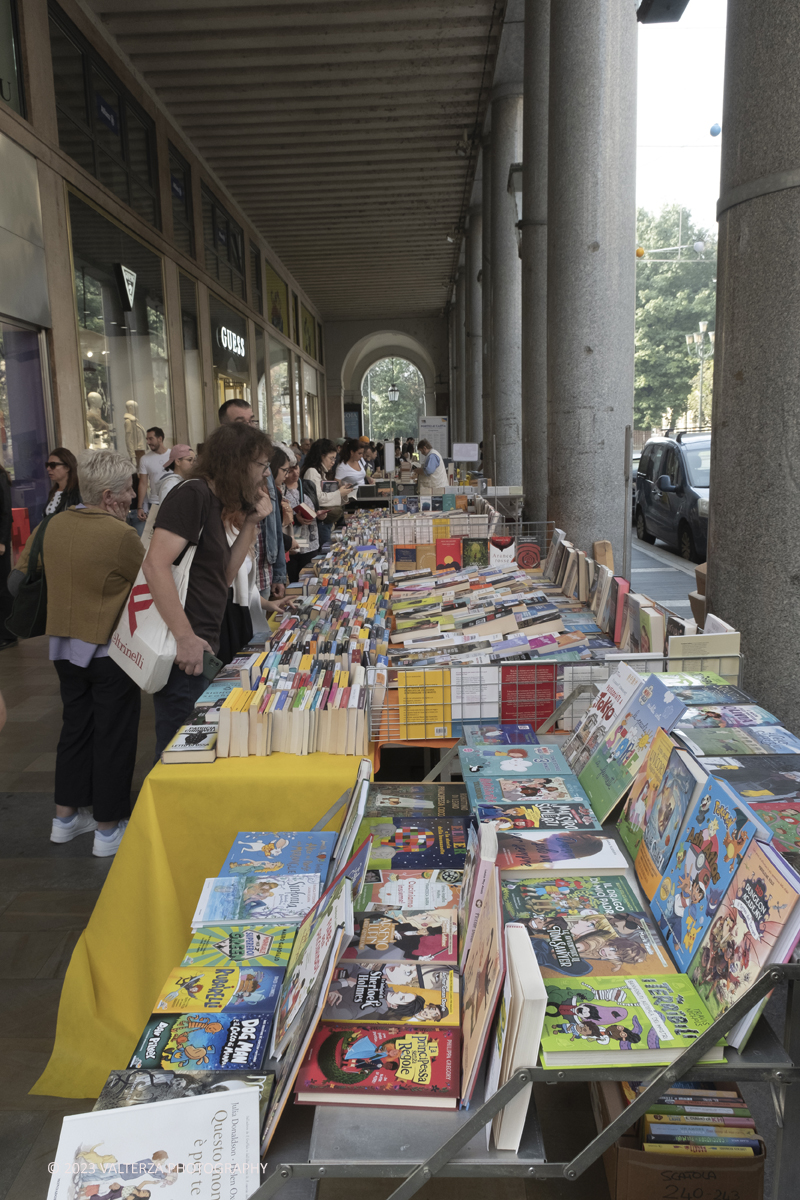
[(82, 822), (107, 847)]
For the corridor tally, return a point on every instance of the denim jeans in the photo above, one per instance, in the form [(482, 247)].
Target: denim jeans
[(174, 703)]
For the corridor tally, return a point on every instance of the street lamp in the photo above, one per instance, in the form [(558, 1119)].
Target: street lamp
[(703, 350)]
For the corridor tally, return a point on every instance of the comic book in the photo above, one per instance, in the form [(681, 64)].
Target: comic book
[(124, 1089), (587, 925), (485, 736), (201, 1042), (758, 922), (536, 850), (755, 739), (415, 843), (569, 814), (417, 936), (289, 853), (612, 768), (624, 1021), (483, 790), (680, 786), (394, 891), (246, 945), (639, 804), (401, 993), (417, 800), (225, 989), (254, 899), (517, 761), (390, 1065), (725, 716), (606, 707), (757, 776), (716, 835)]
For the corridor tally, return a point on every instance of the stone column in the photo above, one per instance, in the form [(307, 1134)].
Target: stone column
[(474, 331), (487, 423), (754, 553), (534, 258), (457, 433), (506, 286), (591, 208)]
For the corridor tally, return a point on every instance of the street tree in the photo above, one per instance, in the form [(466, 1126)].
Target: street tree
[(393, 418)]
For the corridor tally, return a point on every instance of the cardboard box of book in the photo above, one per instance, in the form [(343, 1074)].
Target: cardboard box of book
[(634, 1174)]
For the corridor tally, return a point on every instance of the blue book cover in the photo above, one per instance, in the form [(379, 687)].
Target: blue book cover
[(716, 834), (415, 843), (485, 736), (288, 853), (483, 789), (231, 899), (519, 761), (681, 783), (202, 1042)]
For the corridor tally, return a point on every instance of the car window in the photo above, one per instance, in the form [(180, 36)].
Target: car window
[(669, 466), (644, 461), (697, 457), (654, 466)]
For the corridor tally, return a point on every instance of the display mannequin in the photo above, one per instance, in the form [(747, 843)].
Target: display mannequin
[(134, 430), (94, 415)]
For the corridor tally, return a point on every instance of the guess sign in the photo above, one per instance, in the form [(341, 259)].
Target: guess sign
[(231, 341)]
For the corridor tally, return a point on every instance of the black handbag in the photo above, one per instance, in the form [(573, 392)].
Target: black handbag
[(29, 611)]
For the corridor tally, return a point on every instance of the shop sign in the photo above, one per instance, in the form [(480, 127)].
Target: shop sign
[(126, 282), (231, 342)]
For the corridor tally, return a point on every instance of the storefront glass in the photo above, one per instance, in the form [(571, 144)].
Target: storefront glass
[(298, 391), (10, 74), (277, 301), (310, 403), (119, 294), (230, 353), (192, 363), (280, 391), (309, 331), (23, 426), (263, 407)]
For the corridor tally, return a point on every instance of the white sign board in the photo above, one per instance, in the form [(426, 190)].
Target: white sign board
[(434, 430), (466, 452), (388, 456)]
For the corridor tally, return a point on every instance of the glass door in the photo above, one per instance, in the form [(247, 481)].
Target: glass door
[(23, 418)]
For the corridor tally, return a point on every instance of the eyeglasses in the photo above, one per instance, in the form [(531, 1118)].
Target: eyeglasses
[(51, 466), (264, 466)]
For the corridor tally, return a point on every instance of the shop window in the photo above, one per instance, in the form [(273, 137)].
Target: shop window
[(99, 124), (297, 423), (192, 362), (10, 70), (308, 332), (256, 286), (23, 427), (180, 184), (310, 403), (296, 317), (277, 301), (319, 343), (119, 296), (280, 391), (229, 351), (224, 245)]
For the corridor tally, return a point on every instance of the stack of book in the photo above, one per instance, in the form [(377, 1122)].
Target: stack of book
[(698, 1120)]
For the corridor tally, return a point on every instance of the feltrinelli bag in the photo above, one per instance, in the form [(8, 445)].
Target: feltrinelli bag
[(142, 643)]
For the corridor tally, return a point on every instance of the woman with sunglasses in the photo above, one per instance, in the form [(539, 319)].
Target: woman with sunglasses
[(62, 471)]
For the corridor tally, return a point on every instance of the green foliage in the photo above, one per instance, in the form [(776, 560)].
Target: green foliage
[(398, 419), (708, 390), (671, 298)]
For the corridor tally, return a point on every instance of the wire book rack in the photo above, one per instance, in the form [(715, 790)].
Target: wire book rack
[(405, 529)]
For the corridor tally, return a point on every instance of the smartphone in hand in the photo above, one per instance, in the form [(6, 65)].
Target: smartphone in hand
[(211, 665)]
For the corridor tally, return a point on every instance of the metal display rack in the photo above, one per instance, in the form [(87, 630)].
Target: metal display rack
[(498, 524)]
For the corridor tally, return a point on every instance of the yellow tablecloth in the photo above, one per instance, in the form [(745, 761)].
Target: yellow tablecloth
[(182, 827)]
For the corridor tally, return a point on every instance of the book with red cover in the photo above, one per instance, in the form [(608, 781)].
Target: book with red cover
[(619, 586), (528, 693), (448, 554), (399, 1066)]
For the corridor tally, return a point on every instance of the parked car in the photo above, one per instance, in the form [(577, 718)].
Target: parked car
[(672, 493), (637, 454)]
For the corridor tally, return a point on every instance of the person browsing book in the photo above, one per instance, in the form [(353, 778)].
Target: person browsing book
[(350, 469), (431, 473), (301, 498), (330, 500), (227, 484)]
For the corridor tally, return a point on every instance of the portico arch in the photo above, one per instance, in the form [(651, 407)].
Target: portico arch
[(386, 343)]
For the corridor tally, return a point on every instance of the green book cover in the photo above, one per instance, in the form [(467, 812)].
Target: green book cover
[(247, 945)]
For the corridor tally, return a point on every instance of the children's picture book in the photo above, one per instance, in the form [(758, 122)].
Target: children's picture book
[(605, 709), (390, 1065), (627, 1021), (783, 818), (757, 922), (757, 776), (518, 761), (725, 716), (536, 790), (614, 764), (417, 799), (565, 814), (245, 945), (279, 853), (124, 1089), (134, 1151), (395, 891), (255, 899), (483, 982), (199, 1041), (418, 936), (639, 804), (585, 926), (716, 834), (537, 850), (696, 694), (680, 785), (755, 739), (415, 843), (401, 993), (486, 736), (227, 989)]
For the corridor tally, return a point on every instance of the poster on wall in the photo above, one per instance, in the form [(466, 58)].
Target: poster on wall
[(434, 430)]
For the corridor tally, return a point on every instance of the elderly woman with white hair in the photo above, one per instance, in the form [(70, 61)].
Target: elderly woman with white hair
[(91, 558)]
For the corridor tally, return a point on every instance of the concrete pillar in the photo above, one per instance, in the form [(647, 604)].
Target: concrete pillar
[(534, 258), (591, 207), (754, 551), (474, 331), (487, 424), (457, 434), (506, 286)]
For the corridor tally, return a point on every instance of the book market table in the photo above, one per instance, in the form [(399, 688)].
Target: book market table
[(183, 822)]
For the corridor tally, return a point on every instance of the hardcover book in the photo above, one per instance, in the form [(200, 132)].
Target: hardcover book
[(724, 716), (230, 899), (512, 760), (415, 843), (417, 799), (606, 708), (639, 804), (245, 945), (485, 736), (680, 785), (755, 739), (289, 853), (534, 850), (400, 993), (426, 936), (783, 818), (222, 1042), (567, 814), (758, 777), (483, 981), (540, 788), (224, 989), (394, 891)]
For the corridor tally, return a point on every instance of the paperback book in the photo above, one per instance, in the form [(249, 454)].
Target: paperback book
[(396, 891), (417, 799), (755, 739), (255, 899), (584, 851), (680, 785), (274, 854), (539, 789), (393, 992), (725, 716), (640, 800), (566, 814), (416, 936), (483, 981), (224, 989), (519, 761), (123, 1089), (416, 843), (245, 945), (607, 706), (201, 1042), (485, 736)]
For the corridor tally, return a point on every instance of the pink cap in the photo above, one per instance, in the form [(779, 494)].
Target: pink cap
[(178, 452)]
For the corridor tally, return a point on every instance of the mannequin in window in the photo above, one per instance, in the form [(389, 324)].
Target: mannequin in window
[(94, 415), (134, 430)]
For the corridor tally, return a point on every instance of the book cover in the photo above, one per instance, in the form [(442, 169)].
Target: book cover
[(783, 818), (448, 554), (605, 709), (426, 556), (540, 851), (502, 551), (229, 899), (225, 989), (529, 555), (417, 799), (680, 784), (528, 692), (711, 693), (613, 766), (192, 743), (124, 1089), (485, 736), (396, 891), (488, 790), (216, 1043), (724, 716), (758, 777), (519, 761), (245, 945), (400, 993), (755, 739), (475, 552), (392, 1062), (483, 981), (585, 926), (289, 853), (716, 835), (134, 1151), (639, 804), (449, 502), (417, 843), (426, 936), (567, 814), (405, 557)]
